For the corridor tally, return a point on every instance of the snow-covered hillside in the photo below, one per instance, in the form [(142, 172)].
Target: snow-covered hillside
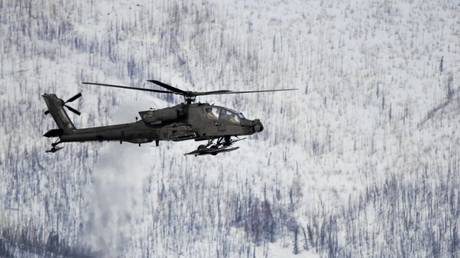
[(361, 161)]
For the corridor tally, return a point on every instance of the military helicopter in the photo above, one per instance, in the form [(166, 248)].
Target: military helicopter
[(185, 121)]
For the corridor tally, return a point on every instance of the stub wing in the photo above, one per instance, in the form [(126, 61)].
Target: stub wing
[(211, 151)]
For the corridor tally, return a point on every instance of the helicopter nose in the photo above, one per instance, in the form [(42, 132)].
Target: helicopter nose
[(258, 127)]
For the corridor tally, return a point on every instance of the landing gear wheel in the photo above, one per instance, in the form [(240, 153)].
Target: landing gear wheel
[(213, 148), (227, 141)]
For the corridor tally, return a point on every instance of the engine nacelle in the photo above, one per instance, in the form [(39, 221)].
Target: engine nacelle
[(159, 116)]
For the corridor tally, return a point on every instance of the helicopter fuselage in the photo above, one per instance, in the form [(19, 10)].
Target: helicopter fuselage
[(195, 121)]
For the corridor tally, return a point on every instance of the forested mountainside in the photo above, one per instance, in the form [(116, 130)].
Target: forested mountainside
[(361, 161)]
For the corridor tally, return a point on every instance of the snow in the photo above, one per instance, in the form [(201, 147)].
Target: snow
[(369, 77)]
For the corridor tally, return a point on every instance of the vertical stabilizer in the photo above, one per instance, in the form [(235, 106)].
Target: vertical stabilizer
[(56, 109)]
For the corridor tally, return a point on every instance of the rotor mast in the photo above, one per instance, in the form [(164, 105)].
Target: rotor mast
[(189, 99)]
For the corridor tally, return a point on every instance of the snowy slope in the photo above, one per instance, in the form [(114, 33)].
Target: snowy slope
[(375, 106)]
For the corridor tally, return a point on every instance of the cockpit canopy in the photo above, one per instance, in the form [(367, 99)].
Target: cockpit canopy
[(224, 114)]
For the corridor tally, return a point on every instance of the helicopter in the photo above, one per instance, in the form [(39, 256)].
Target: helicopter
[(186, 121)]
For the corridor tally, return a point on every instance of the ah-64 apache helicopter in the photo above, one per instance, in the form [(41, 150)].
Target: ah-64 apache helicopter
[(185, 121)]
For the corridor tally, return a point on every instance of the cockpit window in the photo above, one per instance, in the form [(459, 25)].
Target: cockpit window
[(230, 115), (235, 119), (221, 113), (212, 113)]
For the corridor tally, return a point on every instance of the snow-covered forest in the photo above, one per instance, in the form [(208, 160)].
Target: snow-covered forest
[(361, 161)]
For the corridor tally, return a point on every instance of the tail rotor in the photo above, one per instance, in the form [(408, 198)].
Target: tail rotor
[(71, 109)]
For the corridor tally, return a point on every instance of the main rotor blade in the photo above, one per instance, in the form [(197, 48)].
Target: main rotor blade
[(169, 87), (202, 93), (220, 92), (74, 98), (215, 92), (73, 110), (126, 87)]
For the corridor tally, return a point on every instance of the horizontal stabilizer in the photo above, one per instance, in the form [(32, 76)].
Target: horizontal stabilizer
[(54, 149), (54, 133)]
